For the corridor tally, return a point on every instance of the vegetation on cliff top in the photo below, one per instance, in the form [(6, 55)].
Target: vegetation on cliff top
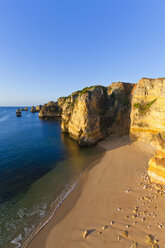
[(143, 108)]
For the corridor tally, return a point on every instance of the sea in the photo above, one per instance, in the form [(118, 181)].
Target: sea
[(39, 168)]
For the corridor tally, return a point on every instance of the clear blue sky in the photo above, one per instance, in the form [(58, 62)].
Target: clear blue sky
[(50, 48)]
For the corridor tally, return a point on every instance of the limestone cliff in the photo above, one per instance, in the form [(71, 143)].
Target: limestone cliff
[(147, 112), (156, 169), (89, 115), (148, 121)]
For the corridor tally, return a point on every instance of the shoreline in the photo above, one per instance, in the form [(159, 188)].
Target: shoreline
[(90, 207), (79, 183)]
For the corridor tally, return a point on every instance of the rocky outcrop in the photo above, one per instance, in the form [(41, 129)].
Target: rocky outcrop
[(89, 115), (156, 169), (147, 121), (51, 110), (33, 109), (38, 108), (18, 113)]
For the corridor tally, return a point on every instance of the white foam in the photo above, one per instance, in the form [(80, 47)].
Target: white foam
[(50, 217), (16, 241)]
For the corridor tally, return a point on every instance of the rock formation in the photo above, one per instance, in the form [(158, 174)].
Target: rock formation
[(156, 169), (147, 122), (18, 113), (33, 109), (89, 115), (26, 109), (51, 110), (38, 108)]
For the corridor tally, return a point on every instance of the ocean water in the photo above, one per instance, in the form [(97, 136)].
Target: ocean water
[(39, 167)]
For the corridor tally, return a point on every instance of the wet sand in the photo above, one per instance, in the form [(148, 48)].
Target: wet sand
[(113, 197)]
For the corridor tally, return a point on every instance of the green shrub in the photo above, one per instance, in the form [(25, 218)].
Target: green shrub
[(143, 108)]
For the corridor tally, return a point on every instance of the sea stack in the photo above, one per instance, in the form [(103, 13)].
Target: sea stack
[(51, 110), (18, 113), (38, 108), (26, 109), (33, 109)]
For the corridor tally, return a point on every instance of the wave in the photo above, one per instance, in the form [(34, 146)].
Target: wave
[(49, 218), (17, 240)]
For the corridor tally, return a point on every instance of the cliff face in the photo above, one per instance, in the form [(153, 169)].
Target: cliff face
[(147, 112), (81, 116), (89, 115), (92, 113), (148, 122), (118, 108)]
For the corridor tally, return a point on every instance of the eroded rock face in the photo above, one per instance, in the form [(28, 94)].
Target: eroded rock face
[(147, 112), (89, 115), (92, 113), (118, 111), (156, 169), (51, 110), (81, 118), (147, 122)]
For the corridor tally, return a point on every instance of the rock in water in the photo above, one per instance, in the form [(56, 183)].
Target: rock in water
[(18, 113), (38, 108), (33, 109), (51, 110)]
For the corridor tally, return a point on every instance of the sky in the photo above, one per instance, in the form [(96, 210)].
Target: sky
[(50, 48)]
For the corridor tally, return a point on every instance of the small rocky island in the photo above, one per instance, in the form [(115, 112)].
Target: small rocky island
[(91, 114), (18, 113)]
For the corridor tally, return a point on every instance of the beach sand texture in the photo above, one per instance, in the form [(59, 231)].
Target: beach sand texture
[(113, 200)]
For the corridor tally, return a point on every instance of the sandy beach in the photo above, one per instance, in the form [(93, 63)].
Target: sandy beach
[(112, 197)]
